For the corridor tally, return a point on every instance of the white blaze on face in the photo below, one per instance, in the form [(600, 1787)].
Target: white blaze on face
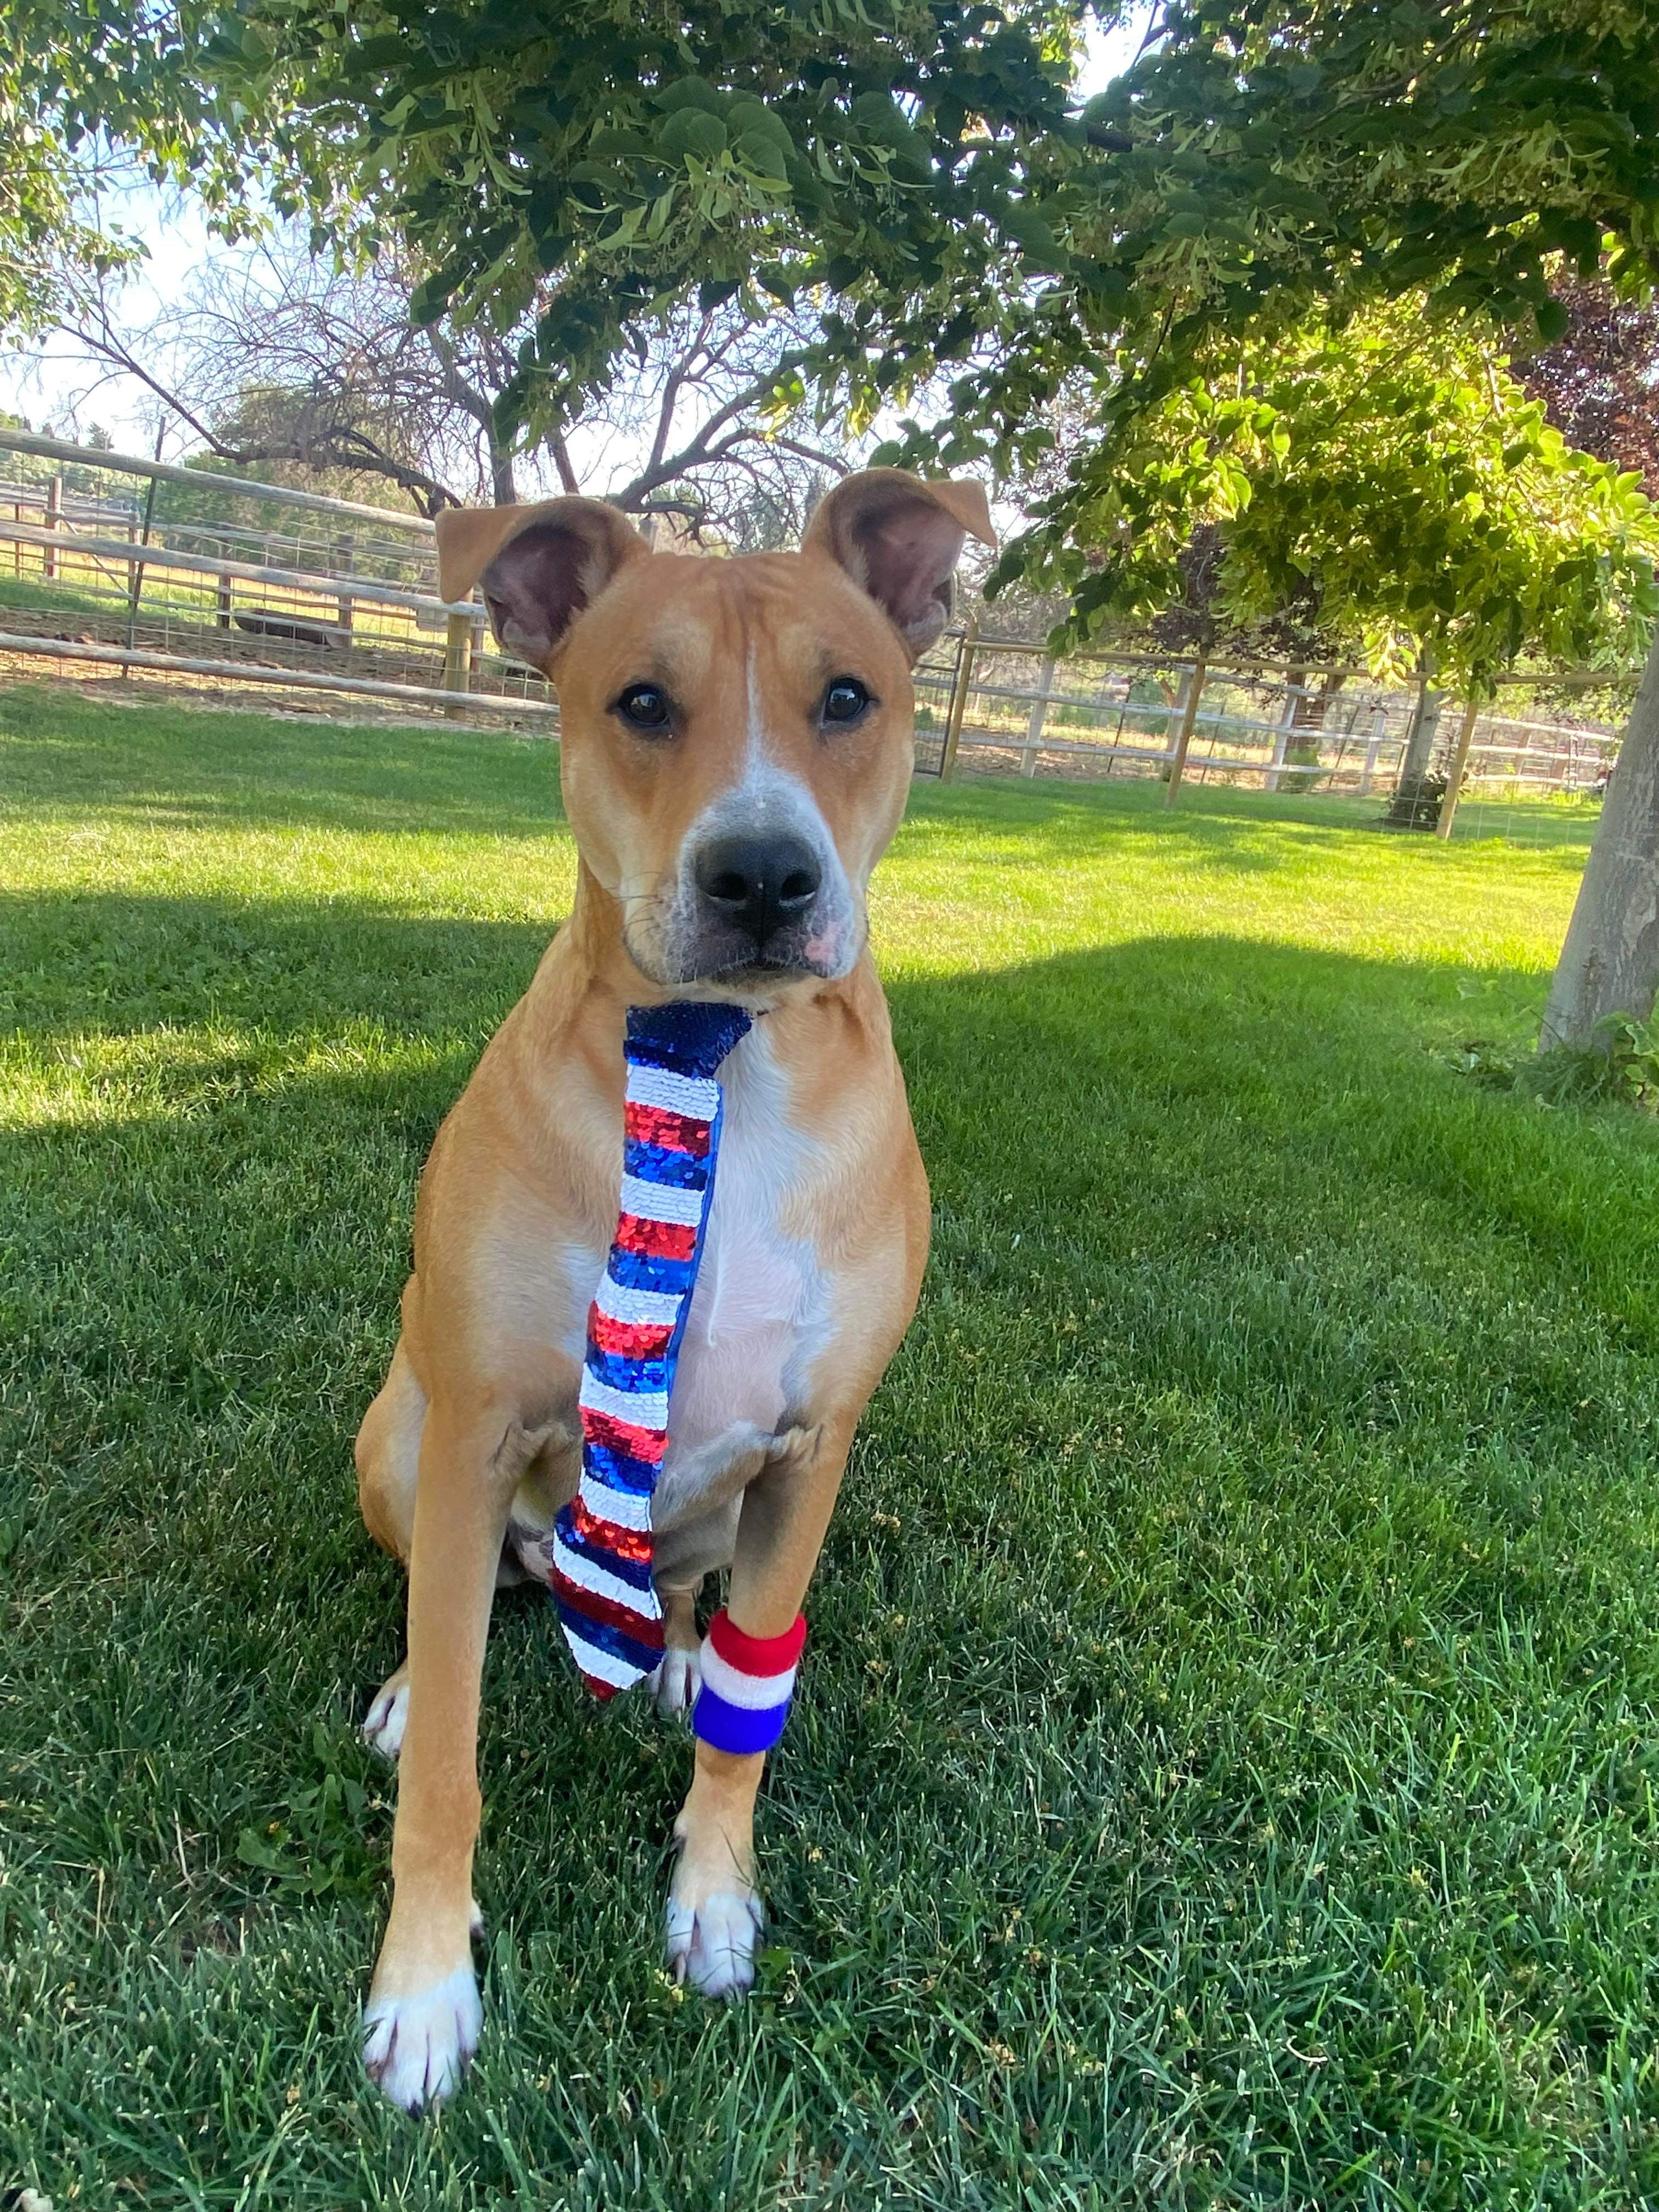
[(769, 800)]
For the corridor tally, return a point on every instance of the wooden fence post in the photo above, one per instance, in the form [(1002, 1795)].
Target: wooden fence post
[(958, 699), (1460, 761), (1034, 721), (344, 548), (1379, 730), (1194, 692), (458, 659), (136, 569), (54, 521)]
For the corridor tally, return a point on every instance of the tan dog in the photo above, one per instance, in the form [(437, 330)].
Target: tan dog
[(737, 748)]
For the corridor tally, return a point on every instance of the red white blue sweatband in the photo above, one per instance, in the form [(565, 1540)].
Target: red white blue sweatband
[(747, 1683)]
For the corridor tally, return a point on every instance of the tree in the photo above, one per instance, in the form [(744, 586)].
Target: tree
[(300, 364), (1609, 963), (1379, 486), (46, 219), (921, 170), (1600, 380), (1598, 384)]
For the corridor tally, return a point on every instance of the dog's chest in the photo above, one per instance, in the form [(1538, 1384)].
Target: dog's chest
[(756, 1314)]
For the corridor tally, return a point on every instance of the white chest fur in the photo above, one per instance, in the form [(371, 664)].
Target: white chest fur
[(758, 1309)]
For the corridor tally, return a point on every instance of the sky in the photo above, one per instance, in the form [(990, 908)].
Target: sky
[(53, 383)]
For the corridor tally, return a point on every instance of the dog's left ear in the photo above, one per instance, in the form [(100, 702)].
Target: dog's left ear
[(899, 538)]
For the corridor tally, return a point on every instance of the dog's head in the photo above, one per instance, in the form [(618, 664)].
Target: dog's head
[(736, 735)]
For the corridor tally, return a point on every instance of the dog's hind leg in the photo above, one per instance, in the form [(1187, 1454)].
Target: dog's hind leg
[(676, 1678), (388, 1453), (388, 1457)]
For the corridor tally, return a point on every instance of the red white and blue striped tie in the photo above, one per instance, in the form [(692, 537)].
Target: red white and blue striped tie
[(602, 1547)]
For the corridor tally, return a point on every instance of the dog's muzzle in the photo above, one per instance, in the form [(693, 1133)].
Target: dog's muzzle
[(756, 904)]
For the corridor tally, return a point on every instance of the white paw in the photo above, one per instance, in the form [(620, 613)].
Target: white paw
[(416, 2048), (676, 1679), (384, 1721), (712, 1945)]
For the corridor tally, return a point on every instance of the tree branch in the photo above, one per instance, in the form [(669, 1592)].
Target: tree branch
[(698, 451), (356, 451), (568, 477)]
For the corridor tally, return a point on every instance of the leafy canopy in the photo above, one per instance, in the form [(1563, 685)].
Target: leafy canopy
[(1387, 482), (44, 223), (919, 169), (919, 160)]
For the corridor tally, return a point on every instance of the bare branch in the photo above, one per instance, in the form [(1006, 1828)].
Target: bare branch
[(274, 355), (561, 461)]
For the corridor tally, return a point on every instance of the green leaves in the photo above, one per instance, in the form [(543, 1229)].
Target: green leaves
[(1387, 488), (320, 1847), (1552, 320), (919, 170), (694, 131)]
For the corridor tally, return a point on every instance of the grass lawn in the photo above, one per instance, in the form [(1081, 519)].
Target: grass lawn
[(54, 598), (1225, 1771)]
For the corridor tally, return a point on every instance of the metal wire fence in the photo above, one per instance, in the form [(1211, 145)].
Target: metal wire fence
[(111, 564)]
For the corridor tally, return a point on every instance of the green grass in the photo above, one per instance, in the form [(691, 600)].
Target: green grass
[(54, 598), (1225, 1771)]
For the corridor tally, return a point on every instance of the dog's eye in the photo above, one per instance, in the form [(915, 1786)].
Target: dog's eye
[(845, 700), (645, 706)]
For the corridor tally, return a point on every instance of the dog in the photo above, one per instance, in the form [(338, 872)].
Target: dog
[(736, 751)]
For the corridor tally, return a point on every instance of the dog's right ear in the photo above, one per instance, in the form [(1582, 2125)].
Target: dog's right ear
[(539, 566)]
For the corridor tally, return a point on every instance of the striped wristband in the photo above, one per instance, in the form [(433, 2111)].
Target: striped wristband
[(747, 1683)]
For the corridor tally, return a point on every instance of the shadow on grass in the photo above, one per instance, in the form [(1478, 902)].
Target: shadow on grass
[(67, 755), (114, 964), (1241, 829), (1219, 1104)]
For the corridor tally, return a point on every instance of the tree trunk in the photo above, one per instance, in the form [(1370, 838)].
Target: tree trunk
[(1301, 743), (1417, 795), (1610, 961), (503, 488), (1420, 743)]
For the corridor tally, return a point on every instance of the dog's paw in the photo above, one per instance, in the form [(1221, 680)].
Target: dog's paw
[(384, 1721), (712, 1944), (676, 1679), (416, 2048)]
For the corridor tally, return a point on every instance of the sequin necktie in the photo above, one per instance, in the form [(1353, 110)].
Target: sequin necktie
[(602, 1544)]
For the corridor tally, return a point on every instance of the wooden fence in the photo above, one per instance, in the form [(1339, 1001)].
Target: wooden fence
[(203, 576), (136, 566)]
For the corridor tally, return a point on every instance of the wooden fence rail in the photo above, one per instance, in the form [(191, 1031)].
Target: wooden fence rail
[(297, 579)]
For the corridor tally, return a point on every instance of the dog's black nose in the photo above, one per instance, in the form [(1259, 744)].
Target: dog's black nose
[(758, 884)]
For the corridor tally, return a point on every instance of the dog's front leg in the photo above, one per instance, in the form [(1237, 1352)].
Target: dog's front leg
[(422, 2022), (714, 1910)]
